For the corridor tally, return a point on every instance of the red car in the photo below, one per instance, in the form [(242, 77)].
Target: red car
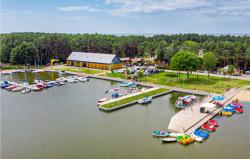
[(213, 122), (208, 127)]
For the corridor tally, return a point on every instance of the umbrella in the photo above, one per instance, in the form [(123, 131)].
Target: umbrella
[(218, 98)]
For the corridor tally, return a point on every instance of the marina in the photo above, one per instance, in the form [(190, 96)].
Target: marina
[(161, 108)]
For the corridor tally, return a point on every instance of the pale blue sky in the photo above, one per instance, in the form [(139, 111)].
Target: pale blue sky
[(126, 16)]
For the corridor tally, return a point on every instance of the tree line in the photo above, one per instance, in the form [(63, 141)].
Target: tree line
[(39, 48)]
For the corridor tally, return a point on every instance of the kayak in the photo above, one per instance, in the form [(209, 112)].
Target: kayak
[(225, 113), (238, 110), (159, 133), (196, 137), (201, 133), (182, 137), (187, 141), (213, 122), (208, 127), (169, 140)]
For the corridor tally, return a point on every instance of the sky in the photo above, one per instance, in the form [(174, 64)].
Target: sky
[(126, 16)]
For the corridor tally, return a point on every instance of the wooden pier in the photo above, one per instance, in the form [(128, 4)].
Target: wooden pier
[(187, 120)]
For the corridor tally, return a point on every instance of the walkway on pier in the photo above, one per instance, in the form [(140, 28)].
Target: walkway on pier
[(189, 119)]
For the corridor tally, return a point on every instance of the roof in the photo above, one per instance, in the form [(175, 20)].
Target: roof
[(208, 105), (136, 59), (124, 59), (91, 57)]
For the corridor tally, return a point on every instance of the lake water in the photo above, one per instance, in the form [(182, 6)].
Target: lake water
[(64, 122)]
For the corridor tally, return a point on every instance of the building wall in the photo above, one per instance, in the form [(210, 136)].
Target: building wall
[(94, 65)]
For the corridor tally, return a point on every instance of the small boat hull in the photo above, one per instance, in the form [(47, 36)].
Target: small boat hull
[(159, 133), (168, 140)]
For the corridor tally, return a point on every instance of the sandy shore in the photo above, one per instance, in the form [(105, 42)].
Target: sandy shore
[(243, 96)]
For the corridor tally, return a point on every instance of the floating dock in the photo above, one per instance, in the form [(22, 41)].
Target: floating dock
[(187, 120)]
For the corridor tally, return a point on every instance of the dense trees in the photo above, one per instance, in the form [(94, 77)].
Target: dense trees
[(23, 53), (227, 49)]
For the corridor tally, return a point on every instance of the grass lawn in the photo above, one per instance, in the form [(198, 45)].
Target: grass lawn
[(116, 75), (213, 84), (134, 98), (82, 70)]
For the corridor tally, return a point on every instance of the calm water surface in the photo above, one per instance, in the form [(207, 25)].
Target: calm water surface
[(64, 122)]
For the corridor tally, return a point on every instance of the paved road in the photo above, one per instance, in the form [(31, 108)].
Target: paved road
[(243, 77)]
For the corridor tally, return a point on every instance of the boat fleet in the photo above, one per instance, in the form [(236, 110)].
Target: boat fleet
[(201, 134), (39, 85)]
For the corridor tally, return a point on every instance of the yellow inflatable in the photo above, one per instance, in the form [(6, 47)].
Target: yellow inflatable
[(226, 113)]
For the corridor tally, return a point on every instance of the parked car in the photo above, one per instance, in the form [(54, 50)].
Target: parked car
[(247, 72)]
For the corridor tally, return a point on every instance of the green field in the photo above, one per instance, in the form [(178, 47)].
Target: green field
[(81, 70), (213, 84), (134, 98), (116, 75)]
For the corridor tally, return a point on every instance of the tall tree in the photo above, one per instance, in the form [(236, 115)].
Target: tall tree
[(209, 62), (185, 61)]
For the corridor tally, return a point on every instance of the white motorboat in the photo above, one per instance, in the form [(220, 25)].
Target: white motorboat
[(38, 81), (26, 90), (62, 73), (83, 79), (102, 100), (70, 80), (145, 100), (25, 83), (61, 79)]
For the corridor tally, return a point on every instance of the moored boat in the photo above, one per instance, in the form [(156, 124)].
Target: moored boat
[(145, 100), (9, 88), (160, 133), (175, 134), (26, 90), (201, 133), (102, 100), (5, 84), (35, 88), (196, 137), (127, 84), (213, 122), (169, 140), (182, 102), (208, 127), (18, 88), (83, 79), (225, 113)]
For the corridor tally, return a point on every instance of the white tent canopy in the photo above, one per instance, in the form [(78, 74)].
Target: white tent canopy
[(208, 105)]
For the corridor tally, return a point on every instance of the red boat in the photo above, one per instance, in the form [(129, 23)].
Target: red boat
[(41, 86), (10, 87), (208, 127), (213, 122), (238, 110)]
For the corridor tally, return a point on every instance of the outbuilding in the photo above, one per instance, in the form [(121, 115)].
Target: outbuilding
[(94, 60)]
